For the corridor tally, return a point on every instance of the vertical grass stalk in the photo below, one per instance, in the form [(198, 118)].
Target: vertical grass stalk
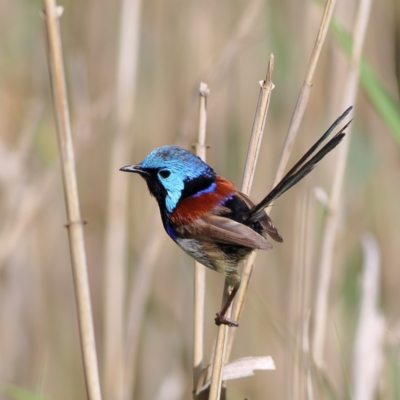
[(75, 223), (304, 94), (252, 156), (199, 269)]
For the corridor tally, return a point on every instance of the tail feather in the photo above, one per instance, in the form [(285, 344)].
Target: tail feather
[(302, 167)]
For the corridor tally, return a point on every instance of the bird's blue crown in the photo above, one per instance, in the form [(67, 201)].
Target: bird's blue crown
[(180, 172)]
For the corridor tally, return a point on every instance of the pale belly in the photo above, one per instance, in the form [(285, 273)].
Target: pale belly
[(211, 255), (195, 250)]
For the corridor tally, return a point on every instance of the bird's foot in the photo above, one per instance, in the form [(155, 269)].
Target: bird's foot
[(222, 320)]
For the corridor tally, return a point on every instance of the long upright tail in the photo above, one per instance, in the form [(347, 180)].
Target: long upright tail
[(302, 168)]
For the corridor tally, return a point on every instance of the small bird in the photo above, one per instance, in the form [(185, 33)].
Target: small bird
[(207, 217)]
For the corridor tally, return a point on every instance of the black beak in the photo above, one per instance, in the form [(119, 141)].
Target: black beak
[(134, 168)]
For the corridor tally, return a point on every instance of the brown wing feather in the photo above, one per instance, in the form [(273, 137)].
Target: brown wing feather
[(225, 230), (214, 228), (265, 220)]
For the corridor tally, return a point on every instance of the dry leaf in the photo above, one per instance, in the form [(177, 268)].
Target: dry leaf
[(240, 368)]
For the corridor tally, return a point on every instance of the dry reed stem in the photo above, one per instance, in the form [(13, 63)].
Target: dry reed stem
[(304, 94), (75, 223), (199, 269), (258, 128), (252, 156), (332, 221), (218, 362), (116, 233)]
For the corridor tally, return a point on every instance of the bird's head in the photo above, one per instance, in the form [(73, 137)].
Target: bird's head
[(172, 174)]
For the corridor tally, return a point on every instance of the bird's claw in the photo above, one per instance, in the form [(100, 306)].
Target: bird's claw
[(222, 320)]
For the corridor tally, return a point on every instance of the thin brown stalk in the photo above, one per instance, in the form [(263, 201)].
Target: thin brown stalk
[(252, 155), (116, 234), (332, 222), (304, 94), (199, 269), (219, 359), (75, 223), (258, 128)]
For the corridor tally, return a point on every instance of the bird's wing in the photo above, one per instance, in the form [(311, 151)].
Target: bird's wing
[(224, 230), (264, 219)]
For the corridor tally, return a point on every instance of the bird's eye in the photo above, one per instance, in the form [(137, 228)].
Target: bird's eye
[(164, 173)]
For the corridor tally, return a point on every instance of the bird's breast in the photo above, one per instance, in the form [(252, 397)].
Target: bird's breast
[(197, 206)]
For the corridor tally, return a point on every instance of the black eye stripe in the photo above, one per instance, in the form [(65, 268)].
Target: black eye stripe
[(164, 173)]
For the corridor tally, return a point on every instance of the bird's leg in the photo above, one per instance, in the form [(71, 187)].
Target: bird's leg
[(234, 281)]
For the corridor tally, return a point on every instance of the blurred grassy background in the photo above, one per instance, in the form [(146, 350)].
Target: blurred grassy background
[(181, 44)]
